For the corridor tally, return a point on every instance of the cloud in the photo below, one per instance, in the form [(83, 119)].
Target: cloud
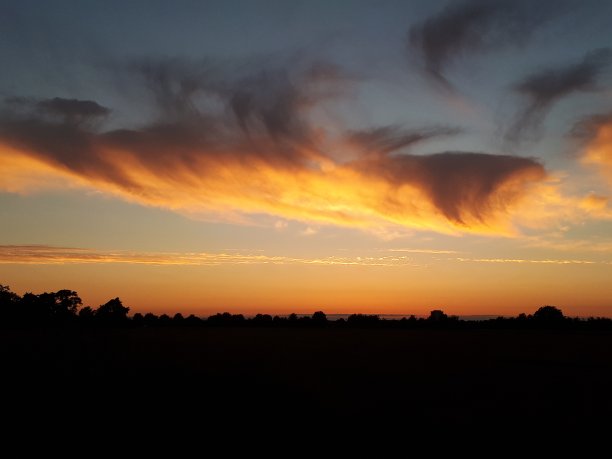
[(70, 111), (561, 243), (595, 202), (541, 90), (309, 231), (427, 251), (383, 140), (280, 225), (528, 261), (51, 255), (596, 132), (473, 26), (233, 146), (588, 127), (465, 187), (266, 98)]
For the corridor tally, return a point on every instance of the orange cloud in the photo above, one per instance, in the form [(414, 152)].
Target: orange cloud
[(528, 261), (49, 255), (598, 151), (425, 251), (478, 193)]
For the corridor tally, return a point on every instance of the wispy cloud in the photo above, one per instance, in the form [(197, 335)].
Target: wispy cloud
[(570, 245), (596, 131), (542, 89), (473, 26), (529, 261), (50, 255), (427, 251), (309, 231)]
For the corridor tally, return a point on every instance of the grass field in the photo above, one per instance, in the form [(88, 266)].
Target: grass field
[(421, 378)]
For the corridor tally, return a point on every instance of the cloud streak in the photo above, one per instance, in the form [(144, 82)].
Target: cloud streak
[(596, 131), (470, 27), (50, 255), (236, 148), (425, 251), (541, 90), (528, 261)]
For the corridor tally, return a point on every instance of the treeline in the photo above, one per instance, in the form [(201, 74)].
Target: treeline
[(65, 307)]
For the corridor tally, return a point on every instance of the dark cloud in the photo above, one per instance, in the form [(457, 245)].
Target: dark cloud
[(71, 147), (265, 98), (462, 185), (62, 132), (388, 139), (544, 88), (245, 113), (263, 104), (71, 111), (471, 26), (587, 127)]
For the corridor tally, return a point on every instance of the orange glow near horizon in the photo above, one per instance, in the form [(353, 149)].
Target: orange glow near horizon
[(360, 195), (205, 284)]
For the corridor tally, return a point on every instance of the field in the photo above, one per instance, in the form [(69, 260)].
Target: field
[(424, 378)]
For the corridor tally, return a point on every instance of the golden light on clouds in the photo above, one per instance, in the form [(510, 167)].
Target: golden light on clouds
[(49, 255), (529, 261), (599, 150), (24, 174), (407, 192), (265, 155)]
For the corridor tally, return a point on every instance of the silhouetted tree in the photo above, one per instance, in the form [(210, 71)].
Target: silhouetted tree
[(138, 320), (262, 319), (279, 321), (66, 303), (437, 315), (63, 306), (43, 306), (150, 319), (178, 319), (363, 320), (86, 313), (227, 319), (193, 320), (113, 312), (6, 296), (9, 305), (408, 322), (165, 320), (549, 314), (48, 307), (319, 318)]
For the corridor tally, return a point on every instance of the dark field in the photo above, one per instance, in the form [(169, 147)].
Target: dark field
[(426, 378)]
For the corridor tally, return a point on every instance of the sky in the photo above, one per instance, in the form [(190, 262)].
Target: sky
[(384, 157)]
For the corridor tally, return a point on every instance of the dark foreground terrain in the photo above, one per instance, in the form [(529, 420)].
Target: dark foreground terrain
[(237, 376)]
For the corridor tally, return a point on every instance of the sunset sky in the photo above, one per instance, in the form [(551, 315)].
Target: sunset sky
[(387, 157)]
